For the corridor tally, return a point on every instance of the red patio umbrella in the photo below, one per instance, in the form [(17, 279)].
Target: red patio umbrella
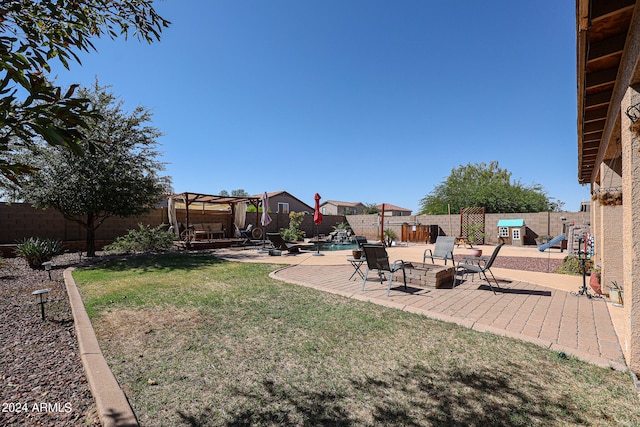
[(317, 218)]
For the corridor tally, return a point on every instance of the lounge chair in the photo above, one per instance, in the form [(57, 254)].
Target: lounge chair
[(443, 250), (480, 268), (377, 259), (280, 244)]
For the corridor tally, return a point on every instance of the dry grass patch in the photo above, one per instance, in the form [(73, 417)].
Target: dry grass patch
[(255, 351)]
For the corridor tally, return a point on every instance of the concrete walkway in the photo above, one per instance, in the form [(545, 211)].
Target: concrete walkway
[(535, 307)]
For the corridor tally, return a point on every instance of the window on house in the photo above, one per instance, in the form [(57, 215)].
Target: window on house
[(283, 208), (503, 231)]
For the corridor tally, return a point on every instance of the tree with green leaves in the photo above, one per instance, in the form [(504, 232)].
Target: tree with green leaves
[(34, 33), (120, 179), (371, 208), (488, 186), (239, 193)]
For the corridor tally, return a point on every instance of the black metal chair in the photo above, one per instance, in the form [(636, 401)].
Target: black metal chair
[(481, 269), (377, 259)]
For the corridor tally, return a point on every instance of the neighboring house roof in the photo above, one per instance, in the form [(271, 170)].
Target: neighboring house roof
[(272, 194), (389, 207), (511, 223), (339, 203)]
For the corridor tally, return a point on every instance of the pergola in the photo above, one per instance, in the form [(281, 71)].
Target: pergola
[(189, 200)]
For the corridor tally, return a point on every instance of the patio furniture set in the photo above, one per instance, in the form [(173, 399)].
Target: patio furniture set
[(423, 274)]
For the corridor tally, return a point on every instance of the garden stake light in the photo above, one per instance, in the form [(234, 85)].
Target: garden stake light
[(41, 298), (47, 267)]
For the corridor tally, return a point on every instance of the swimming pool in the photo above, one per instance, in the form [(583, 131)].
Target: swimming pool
[(328, 246)]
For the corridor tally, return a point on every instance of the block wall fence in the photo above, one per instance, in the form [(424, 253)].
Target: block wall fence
[(537, 224), (21, 220)]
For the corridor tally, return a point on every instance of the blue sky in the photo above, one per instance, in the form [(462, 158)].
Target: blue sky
[(358, 100)]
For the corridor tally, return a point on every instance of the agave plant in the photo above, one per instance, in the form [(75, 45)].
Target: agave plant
[(36, 250)]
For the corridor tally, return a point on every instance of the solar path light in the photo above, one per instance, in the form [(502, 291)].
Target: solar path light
[(47, 266), (42, 296)]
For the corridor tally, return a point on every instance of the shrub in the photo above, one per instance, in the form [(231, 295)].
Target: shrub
[(342, 226), (143, 239), (572, 265), (389, 236), (36, 251), (293, 233)]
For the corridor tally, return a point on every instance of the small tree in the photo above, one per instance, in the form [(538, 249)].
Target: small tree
[(119, 179), (293, 233)]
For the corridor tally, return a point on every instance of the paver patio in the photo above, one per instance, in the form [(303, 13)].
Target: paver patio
[(537, 307)]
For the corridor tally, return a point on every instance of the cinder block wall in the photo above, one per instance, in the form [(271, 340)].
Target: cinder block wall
[(21, 220), (538, 224)]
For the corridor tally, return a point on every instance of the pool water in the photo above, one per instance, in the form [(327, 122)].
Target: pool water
[(328, 246)]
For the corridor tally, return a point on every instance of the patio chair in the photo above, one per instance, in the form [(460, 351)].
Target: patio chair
[(281, 244), (360, 240), (443, 250), (480, 268), (377, 259)]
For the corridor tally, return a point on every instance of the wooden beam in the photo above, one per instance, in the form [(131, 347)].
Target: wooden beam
[(595, 115), (594, 126), (604, 8), (607, 47), (598, 99), (628, 68), (602, 78), (590, 137)]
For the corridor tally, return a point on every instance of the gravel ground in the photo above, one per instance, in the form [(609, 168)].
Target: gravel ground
[(526, 263), (43, 382)]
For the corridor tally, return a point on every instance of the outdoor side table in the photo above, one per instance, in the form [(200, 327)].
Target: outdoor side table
[(357, 264)]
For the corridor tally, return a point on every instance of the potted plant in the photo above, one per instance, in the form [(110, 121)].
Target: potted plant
[(616, 293), (389, 236)]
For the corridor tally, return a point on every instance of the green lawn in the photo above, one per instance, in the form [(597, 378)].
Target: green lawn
[(198, 341)]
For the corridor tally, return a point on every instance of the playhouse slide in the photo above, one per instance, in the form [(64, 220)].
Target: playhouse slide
[(559, 238)]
